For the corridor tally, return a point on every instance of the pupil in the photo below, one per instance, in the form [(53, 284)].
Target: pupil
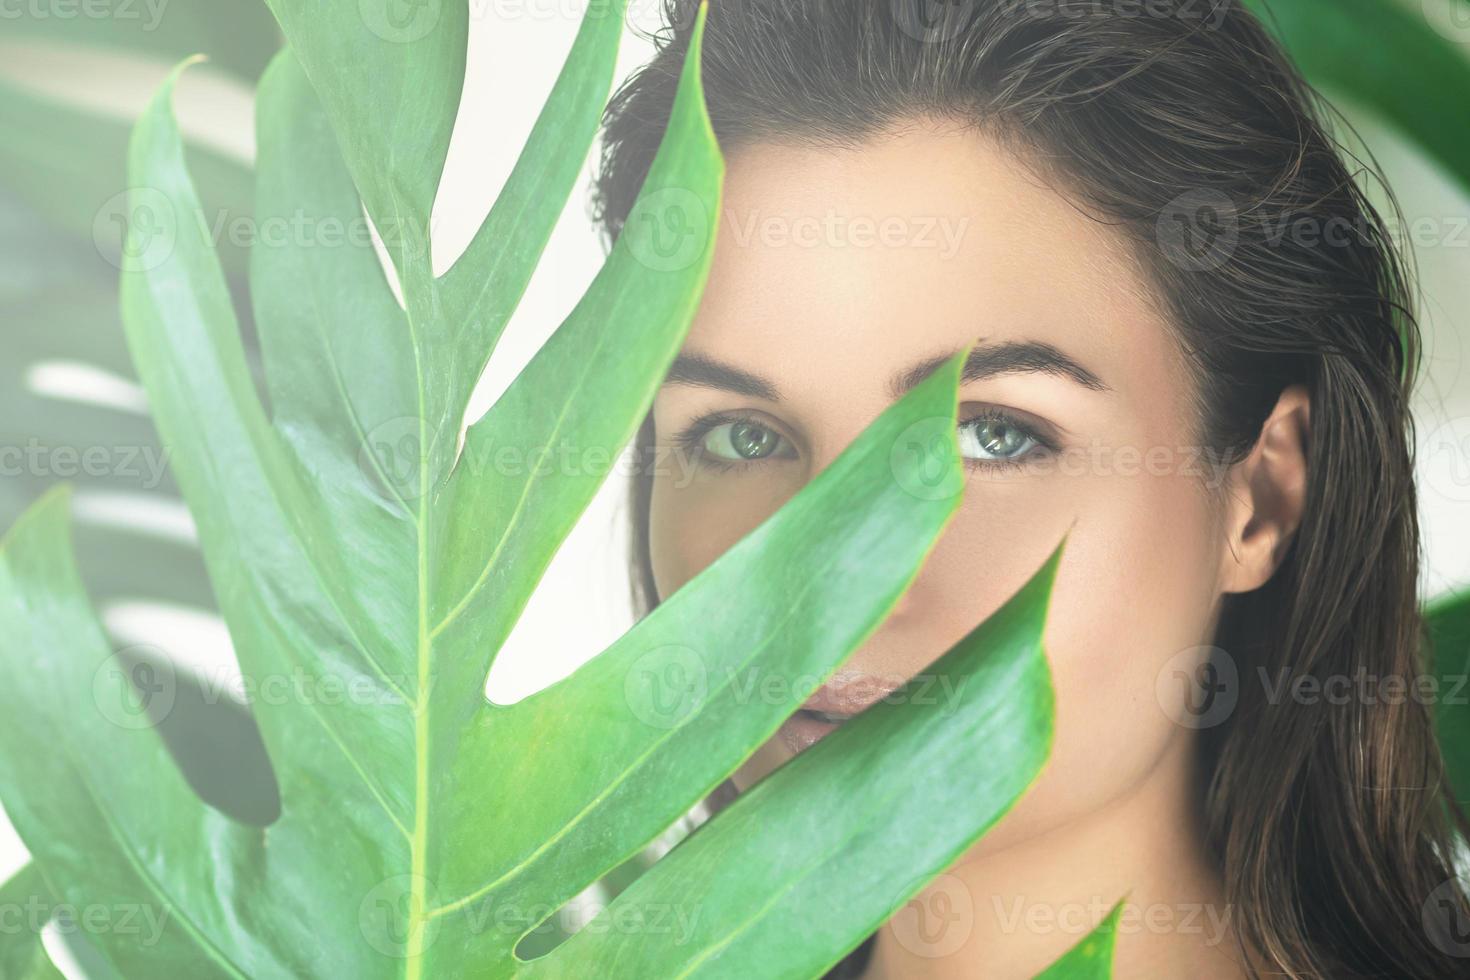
[(1002, 438), (750, 441)]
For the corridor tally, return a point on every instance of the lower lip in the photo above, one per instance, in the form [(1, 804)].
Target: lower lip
[(801, 731)]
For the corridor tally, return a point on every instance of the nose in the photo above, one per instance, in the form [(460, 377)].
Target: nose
[(820, 456)]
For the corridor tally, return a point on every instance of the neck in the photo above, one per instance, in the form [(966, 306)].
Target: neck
[(1011, 913)]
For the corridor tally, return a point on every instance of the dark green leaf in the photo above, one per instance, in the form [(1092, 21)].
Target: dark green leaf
[(1385, 56)]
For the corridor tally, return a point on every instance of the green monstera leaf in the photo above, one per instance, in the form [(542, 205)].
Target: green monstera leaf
[(1399, 60), (62, 193), (369, 567)]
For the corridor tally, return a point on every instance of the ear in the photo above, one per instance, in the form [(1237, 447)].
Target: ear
[(1267, 492)]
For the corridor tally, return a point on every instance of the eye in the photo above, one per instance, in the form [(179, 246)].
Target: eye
[(730, 441), (741, 441), (996, 437)]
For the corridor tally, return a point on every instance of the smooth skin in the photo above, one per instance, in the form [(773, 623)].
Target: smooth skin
[(802, 297)]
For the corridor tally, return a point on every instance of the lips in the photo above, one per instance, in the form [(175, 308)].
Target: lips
[(803, 730), (833, 704)]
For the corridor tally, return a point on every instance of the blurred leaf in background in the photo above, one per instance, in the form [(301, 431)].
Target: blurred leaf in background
[(1395, 58), (62, 188), (70, 404)]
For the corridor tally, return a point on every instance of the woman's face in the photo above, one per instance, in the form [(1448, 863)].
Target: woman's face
[(835, 271)]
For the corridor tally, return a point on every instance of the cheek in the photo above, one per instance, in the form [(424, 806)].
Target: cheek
[(695, 518), (1142, 590), (675, 548), (1136, 587)]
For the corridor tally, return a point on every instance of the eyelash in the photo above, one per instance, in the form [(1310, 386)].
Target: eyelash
[(690, 440)]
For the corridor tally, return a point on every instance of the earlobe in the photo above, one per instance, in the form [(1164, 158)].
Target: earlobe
[(1268, 495)]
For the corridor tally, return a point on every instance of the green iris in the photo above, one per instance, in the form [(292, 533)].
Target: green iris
[(741, 440)]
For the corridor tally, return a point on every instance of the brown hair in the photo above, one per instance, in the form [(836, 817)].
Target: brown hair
[(1185, 127)]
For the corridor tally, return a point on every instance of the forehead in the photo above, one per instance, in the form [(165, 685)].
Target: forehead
[(849, 261)]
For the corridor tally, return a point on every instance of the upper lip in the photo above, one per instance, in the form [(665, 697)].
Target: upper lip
[(850, 694)]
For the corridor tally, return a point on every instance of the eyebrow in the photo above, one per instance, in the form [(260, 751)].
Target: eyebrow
[(1011, 357)]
